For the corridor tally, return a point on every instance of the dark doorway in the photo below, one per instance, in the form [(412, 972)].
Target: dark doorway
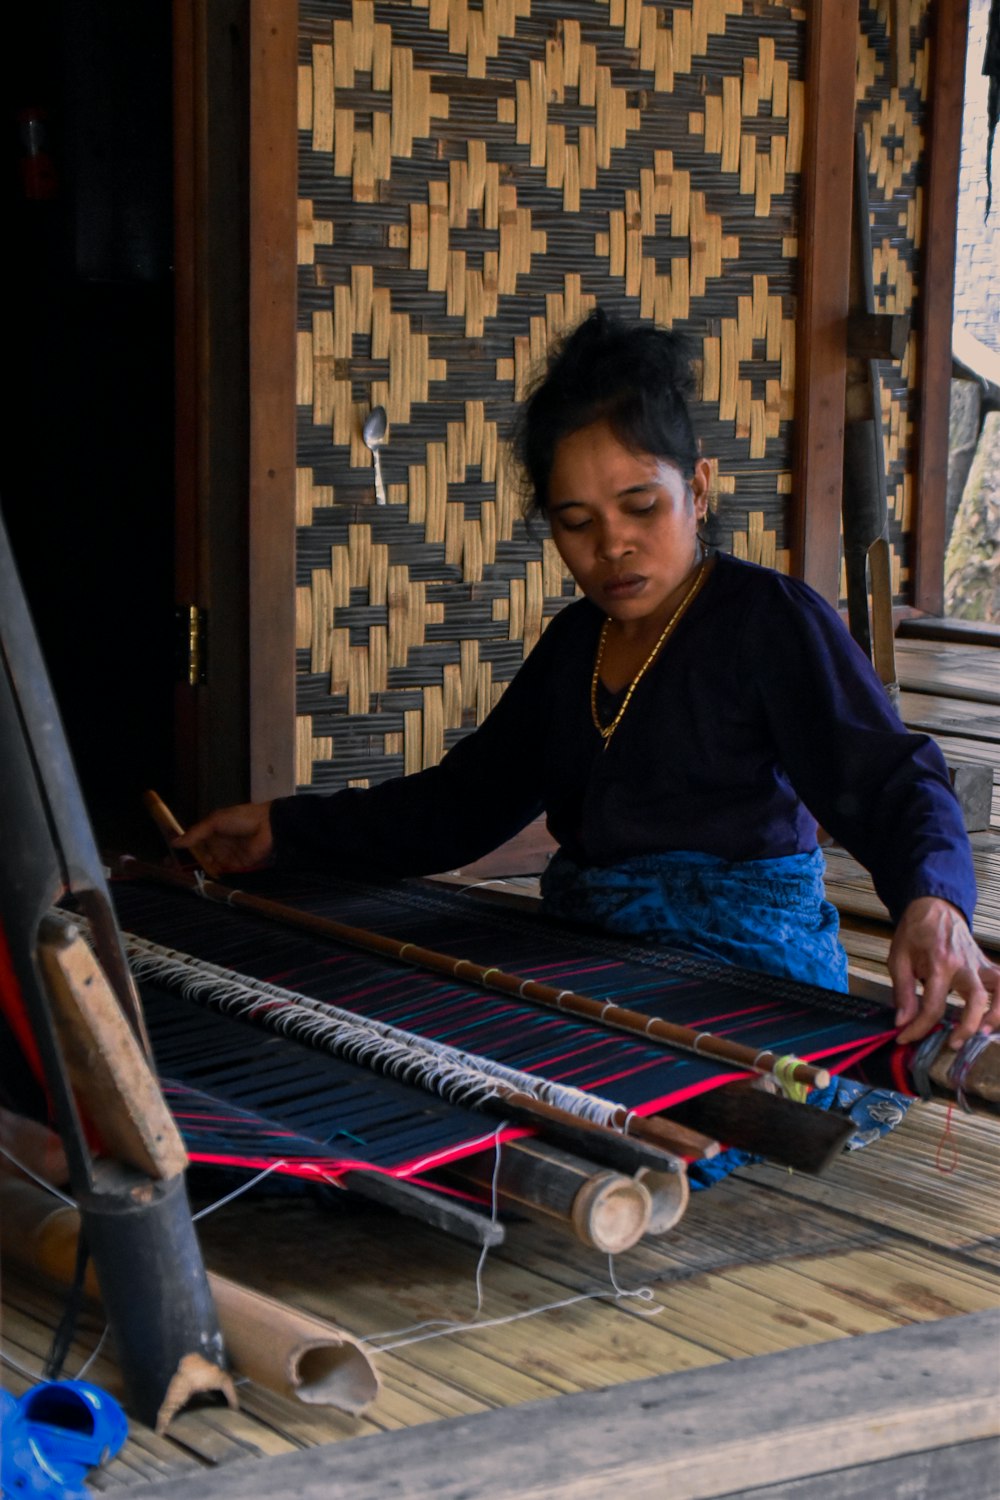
[(86, 475)]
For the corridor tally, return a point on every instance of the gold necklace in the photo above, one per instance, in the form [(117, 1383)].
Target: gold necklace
[(607, 730)]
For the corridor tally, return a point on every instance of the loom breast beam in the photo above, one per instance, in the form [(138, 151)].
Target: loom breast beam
[(416, 1202), (651, 1029)]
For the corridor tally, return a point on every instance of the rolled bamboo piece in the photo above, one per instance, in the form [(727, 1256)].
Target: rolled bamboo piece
[(604, 1013), (607, 1211), (277, 1346)]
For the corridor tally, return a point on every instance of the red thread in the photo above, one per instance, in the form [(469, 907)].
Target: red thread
[(946, 1139)]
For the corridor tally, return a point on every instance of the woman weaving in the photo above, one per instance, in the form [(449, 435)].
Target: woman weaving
[(682, 726)]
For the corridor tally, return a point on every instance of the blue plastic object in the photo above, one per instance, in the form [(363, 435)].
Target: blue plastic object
[(53, 1435)]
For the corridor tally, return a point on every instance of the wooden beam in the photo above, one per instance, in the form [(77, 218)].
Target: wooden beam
[(273, 176), (823, 1410), (937, 295), (824, 260)]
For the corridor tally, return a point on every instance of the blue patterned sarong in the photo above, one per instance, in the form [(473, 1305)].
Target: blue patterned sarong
[(770, 915)]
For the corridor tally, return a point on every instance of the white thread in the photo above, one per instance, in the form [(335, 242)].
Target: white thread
[(644, 1294), (81, 1372), (237, 1192), (8, 1359), (494, 1214), (641, 1293), (35, 1177)]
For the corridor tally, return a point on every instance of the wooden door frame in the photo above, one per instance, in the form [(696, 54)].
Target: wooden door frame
[(235, 216)]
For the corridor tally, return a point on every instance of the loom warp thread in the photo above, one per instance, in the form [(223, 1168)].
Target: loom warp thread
[(457, 1076)]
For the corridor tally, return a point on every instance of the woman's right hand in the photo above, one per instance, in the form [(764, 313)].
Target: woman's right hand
[(232, 839)]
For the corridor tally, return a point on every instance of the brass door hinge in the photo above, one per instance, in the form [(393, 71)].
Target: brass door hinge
[(191, 624)]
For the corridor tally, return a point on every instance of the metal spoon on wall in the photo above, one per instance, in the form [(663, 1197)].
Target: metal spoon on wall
[(373, 434)]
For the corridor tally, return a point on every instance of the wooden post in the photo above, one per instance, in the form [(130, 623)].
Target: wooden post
[(273, 176), (824, 258), (937, 295)]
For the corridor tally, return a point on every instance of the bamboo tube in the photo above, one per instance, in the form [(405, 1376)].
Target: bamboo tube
[(669, 1193), (605, 1013), (607, 1211), (277, 1346)]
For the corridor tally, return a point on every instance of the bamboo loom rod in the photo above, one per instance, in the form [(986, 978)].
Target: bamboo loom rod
[(606, 1013)]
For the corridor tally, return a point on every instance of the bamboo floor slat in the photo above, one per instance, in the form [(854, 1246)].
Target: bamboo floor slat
[(936, 1180), (849, 887), (953, 671)]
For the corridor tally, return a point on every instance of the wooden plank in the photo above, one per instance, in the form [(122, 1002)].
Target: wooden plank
[(273, 169), (824, 255), (971, 672), (934, 1179), (857, 1401), (935, 713), (958, 632), (937, 283), (961, 1471)]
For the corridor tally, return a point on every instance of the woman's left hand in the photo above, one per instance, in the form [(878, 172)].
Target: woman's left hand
[(934, 948)]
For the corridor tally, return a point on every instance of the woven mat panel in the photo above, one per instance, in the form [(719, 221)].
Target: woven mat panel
[(892, 95), (472, 180)]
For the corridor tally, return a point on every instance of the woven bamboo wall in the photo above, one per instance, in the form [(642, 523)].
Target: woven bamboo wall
[(471, 181), (892, 90)]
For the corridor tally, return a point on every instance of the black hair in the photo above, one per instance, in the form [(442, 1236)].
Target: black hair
[(635, 377)]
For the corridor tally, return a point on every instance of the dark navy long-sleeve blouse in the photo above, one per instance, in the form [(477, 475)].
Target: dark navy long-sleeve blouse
[(759, 718)]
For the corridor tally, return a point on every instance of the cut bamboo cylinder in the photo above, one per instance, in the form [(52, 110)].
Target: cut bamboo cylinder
[(669, 1193), (606, 1210)]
